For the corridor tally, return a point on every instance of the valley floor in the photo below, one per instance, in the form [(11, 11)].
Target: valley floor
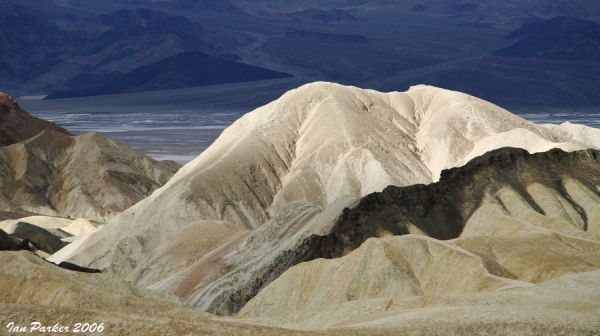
[(166, 125), (179, 124)]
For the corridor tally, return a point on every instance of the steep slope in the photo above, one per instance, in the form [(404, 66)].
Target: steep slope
[(227, 276), (534, 257), (17, 125), (87, 176), (553, 190), (566, 305), (311, 148)]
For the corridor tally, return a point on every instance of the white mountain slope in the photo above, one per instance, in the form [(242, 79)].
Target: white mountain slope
[(317, 143)]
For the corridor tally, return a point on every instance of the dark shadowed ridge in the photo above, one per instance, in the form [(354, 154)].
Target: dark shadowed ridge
[(440, 209), (344, 38), (560, 38), (323, 15), (183, 70)]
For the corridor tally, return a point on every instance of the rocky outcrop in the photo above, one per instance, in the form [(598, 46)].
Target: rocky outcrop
[(47, 240), (17, 125), (10, 243), (555, 186), (290, 224)]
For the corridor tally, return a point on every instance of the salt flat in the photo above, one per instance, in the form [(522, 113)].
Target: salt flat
[(179, 124), (166, 125)]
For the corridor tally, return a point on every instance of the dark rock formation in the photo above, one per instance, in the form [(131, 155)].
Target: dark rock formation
[(343, 38), (46, 240), (76, 268), (10, 243), (440, 209)]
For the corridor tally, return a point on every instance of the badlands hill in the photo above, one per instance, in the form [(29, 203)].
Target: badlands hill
[(517, 216), (89, 176), (418, 285), (44, 170), (17, 125), (35, 290), (500, 193), (299, 160)]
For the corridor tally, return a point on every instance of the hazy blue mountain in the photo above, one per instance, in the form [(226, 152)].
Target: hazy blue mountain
[(323, 15), (30, 44), (560, 38), (508, 11), (79, 45), (183, 70), (87, 7), (344, 38), (222, 6), (40, 51)]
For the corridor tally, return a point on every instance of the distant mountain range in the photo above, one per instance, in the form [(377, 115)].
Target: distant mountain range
[(79, 47), (47, 51), (560, 38), (312, 35), (323, 15), (106, 53), (179, 71), (508, 12)]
